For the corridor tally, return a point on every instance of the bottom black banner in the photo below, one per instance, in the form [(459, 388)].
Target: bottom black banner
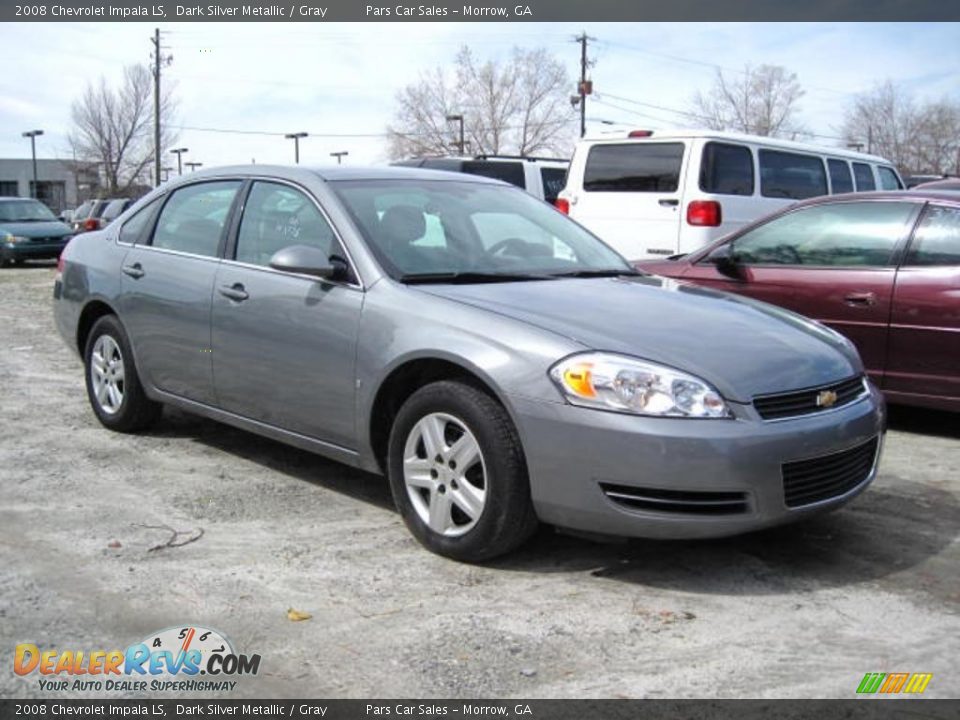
[(864, 709)]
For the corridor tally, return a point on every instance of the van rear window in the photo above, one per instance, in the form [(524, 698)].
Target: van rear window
[(840, 179), (864, 177), (511, 172), (633, 167), (791, 175), (726, 169)]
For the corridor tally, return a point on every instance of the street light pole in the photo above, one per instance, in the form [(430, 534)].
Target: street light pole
[(296, 144), (193, 165), (32, 134), (179, 153), (459, 118), (166, 172), (339, 155)]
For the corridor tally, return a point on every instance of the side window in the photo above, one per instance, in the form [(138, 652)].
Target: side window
[(511, 172), (726, 169), (790, 175), (554, 180), (854, 234), (864, 177), (841, 181), (192, 219), (276, 216), (888, 179), (937, 239), (635, 167), (133, 229)]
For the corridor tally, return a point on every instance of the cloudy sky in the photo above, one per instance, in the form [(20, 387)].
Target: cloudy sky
[(338, 81)]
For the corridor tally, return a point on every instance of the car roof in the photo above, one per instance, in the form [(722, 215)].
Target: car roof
[(335, 173), (914, 195), (18, 199)]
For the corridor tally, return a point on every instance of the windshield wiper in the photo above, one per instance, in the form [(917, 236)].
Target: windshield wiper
[(467, 277), (611, 272)]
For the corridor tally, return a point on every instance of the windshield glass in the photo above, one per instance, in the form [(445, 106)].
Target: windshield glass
[(24, 211), (438, 228)]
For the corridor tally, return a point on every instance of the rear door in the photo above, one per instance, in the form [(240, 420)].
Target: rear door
[(833, 262), (924, 357), (166, 288), (629, 194)]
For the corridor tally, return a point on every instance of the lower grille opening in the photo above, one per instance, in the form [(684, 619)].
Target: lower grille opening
[(810, 481), (677, 501)]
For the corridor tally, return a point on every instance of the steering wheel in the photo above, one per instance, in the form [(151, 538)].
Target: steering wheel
[(517, 247)]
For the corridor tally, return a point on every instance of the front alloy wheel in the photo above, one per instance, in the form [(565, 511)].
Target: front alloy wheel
[(106, 374), (458, 472)]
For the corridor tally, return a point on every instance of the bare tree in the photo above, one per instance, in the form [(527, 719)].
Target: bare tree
[(114, 128), (917, 138), (761, 101), (518, 106)]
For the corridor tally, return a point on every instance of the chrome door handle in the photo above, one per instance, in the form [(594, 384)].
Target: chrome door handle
[(668, 202), (860, 298), (135, 271), (234, 292)]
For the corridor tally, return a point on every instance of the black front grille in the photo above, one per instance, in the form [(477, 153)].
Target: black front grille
[(804, 402), (677, 501), (829, 476)]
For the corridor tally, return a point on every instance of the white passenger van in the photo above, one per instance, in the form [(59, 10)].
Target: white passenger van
[(655, 193)]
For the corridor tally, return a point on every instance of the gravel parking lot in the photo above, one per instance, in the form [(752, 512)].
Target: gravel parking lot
[(802, 611)]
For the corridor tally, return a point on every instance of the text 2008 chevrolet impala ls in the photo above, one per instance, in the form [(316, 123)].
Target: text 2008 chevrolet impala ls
[(496, 361)]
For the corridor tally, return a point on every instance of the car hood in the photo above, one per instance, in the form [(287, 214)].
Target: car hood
[(741, 346), (45, 228)]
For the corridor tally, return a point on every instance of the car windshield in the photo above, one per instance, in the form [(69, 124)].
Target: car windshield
[(440, 231), (24, 211)]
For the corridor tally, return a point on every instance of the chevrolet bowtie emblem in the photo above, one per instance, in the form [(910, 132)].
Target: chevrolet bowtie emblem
[(826, 398)]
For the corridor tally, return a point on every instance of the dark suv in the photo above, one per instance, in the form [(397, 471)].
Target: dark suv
[(543, 178)]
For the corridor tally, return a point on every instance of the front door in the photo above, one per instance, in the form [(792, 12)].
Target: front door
[(284, 345)]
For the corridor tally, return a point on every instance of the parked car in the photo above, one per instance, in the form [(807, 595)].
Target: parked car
[(881, 268), (29, 231), (949, 184), (658, 193), (912, 181), (543, 178), (508, 369), (113, 209), (86, 218)]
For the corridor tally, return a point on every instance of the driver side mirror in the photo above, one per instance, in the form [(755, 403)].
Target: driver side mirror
[(307, 260), (725, 260)]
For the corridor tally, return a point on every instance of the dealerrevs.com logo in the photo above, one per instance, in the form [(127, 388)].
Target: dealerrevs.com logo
[(894, 683), (180, 659)]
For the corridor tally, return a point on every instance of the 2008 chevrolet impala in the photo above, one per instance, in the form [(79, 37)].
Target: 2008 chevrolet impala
[(496, 361)]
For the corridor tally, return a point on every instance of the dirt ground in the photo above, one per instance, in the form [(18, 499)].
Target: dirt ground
[(802, 611)]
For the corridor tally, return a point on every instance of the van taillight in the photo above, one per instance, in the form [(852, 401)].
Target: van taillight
[(91, 224), (705, 213), (563, 205), (639, 133)]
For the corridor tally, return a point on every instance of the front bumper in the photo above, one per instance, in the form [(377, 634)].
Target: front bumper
[(32, 250), (575, 455)]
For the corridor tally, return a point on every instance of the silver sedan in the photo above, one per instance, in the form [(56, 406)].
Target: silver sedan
[(498, 363)]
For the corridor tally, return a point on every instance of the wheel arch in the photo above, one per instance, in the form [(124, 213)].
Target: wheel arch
[(92, 311)]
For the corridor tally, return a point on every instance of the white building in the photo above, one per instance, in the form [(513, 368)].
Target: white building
[(61, 184)]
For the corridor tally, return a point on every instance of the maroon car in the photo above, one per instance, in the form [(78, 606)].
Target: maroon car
[(883, 268)]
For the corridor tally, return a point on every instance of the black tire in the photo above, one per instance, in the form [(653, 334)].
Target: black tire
[(136, 411), (507, 519)]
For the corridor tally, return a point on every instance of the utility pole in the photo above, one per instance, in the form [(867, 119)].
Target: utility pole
[(451, 118), (296, 144), (586, 87), (158, 62)]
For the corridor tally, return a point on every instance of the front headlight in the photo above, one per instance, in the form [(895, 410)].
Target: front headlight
[(624, 384), (14, 239)]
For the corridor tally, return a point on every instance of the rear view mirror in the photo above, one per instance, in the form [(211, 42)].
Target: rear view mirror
[(303, 259), (725, 261)]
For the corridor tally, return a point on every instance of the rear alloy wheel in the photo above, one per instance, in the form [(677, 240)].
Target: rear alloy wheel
[(458, 474), (113, 386)]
